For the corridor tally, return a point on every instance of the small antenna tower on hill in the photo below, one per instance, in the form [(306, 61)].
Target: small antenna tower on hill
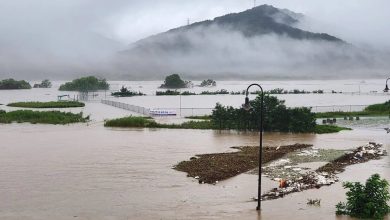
[(254, 3), (188, 21)]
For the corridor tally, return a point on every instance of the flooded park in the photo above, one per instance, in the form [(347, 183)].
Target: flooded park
[(88, 171)]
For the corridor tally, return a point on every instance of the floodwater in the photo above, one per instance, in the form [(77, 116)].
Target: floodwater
[(86, 171)]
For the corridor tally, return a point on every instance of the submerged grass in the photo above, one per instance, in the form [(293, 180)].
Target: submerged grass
[(131, 121), (325, 129), (57, 104), (41, 117), (147, 122)]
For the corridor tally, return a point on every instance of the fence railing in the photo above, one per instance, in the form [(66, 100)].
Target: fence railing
[(133, 108)]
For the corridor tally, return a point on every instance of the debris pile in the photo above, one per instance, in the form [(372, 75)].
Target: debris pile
[(211, 168), (370, 151), (325, 175)]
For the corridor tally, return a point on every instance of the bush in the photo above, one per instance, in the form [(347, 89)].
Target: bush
[(85, 84), (366, 201), (14, 84)]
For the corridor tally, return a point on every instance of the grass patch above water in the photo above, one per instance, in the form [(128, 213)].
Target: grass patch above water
[(325, 129), (41, 117), (57, 104), (147, 122)]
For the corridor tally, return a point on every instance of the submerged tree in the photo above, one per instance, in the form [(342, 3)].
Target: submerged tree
[(277, 117), (14, 84), (85, 84), (174, 81), (44, 84), (208, 82)]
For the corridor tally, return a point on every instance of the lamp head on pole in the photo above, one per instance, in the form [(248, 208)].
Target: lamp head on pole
[(386, 89), (247, 106)]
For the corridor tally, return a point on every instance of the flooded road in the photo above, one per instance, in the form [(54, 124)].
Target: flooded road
[(86, 171)]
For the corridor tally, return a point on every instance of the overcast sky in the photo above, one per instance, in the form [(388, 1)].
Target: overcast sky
[(44, 33)]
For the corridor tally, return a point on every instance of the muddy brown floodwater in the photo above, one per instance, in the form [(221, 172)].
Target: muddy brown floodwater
[(91, 172)]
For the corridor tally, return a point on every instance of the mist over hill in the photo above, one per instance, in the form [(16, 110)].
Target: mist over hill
[(262, 42)]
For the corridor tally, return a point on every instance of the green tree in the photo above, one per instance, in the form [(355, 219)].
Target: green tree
[(366, 201)]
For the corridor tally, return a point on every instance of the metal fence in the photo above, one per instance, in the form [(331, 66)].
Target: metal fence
[(207, 111), (133, 108), (338, 108)]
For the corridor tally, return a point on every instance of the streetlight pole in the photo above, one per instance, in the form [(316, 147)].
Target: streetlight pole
[(247, 107), (387, 86)]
